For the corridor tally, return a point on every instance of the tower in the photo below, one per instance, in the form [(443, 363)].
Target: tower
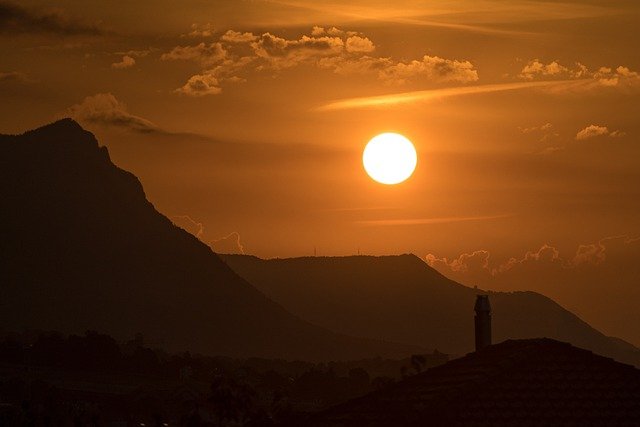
[(483, 322)]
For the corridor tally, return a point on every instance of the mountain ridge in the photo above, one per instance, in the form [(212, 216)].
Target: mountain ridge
[(402, 298), (85, 249)]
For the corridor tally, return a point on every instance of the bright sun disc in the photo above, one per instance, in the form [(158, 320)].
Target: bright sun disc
[(389, 158)]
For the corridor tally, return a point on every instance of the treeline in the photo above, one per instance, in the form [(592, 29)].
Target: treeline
[(204, 390)]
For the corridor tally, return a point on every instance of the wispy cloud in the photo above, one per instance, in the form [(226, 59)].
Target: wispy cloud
[(416, 16), (433, 94), (481, 17), (426, 221)]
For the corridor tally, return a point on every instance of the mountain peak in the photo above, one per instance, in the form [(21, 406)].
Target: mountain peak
[(64, 131)]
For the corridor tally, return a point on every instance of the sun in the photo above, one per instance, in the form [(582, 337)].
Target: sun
[(389, 158)]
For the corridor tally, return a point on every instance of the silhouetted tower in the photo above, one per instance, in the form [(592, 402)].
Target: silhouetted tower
[(483, 321)]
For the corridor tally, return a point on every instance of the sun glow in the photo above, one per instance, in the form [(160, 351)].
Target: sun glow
[(389, 158)]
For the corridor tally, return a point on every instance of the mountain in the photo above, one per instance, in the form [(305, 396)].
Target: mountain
[(82, 248), (401, 298)]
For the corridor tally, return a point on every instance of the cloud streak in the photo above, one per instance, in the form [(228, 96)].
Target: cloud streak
[(381, 101), (397, 15), (427, 221)]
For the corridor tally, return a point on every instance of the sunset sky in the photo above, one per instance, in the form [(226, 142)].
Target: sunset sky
[(245, 122)]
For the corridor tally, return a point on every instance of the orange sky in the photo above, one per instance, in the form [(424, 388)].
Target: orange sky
[(247, 120)]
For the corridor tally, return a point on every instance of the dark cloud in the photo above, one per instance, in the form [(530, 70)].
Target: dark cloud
[(15, 19), (13, 77), (126, 62)]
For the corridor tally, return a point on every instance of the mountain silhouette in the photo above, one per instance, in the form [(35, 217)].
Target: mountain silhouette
[(401, 298), (82, 248)]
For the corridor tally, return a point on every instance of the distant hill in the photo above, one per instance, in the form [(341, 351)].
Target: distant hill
[(401, 298), (82, 248)]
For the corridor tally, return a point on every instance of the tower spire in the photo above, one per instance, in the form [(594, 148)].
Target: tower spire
[(483, 322)]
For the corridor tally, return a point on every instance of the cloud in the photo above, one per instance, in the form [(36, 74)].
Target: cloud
[(202, 31), (546, 253), (593, 131), (235, 55), (13, 77), (423, 15), (592, 254), (545, 134), (209, 82), (317, 31), (432, 94), (433, 68), (16, 19), (238, 37), (602, 77), (536, 68), (126, 62), (201, 85), (104, 109), (359, 44), (280, 53), (230, 244), (430, 68), (205, 54), (542, 128), (598, 281), (424, 221), (136, 53), (473, 262)]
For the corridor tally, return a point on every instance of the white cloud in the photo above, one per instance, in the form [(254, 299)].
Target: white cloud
[(359, 44), (593, 131), (105, 109), (536, 68), (238, 37), (201, 85), (602, 77)]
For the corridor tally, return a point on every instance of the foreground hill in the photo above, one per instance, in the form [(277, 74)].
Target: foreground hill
[(538, 382), (82, 248), (401, 298)]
